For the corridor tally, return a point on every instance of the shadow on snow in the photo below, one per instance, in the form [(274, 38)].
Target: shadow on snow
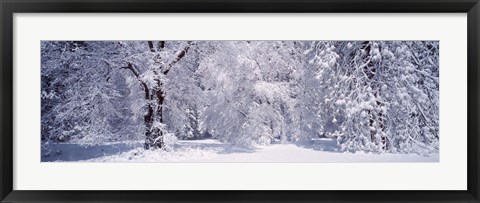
[(220, 148), (78, 152), (321, 144)]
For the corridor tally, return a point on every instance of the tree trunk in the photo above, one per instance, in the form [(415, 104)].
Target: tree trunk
[(153, 134), (149, 133), (153, 117), (155, 99)]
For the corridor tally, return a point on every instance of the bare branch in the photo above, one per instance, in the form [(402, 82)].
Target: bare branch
[(179, 55), (150, 45), (135, 72)]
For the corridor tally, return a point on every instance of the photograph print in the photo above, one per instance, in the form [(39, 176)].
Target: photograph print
[(240, 101)]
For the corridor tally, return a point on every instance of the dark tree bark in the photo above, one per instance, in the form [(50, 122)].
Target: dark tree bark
[(153, 134), (150, 45)]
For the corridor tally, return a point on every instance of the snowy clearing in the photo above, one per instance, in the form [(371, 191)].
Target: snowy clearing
[(318, 151)]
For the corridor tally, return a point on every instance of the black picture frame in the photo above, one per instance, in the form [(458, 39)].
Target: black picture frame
[(9, 7)]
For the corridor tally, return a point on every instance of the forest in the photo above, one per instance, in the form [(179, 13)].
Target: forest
[(374, 97)]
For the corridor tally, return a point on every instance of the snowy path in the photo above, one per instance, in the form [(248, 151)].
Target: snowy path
[(322, 150)]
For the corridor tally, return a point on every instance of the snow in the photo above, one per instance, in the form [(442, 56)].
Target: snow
[(340, 102), (316, 151)]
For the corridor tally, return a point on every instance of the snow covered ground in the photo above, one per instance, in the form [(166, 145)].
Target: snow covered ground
[(321, 150)]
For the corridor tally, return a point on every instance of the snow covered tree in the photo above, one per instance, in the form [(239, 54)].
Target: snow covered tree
[(321, 89), (277, 91), (414, 93), (376, 93), (150, 68), (226, 91), (253, 83), (80, 91), (184, 96)]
